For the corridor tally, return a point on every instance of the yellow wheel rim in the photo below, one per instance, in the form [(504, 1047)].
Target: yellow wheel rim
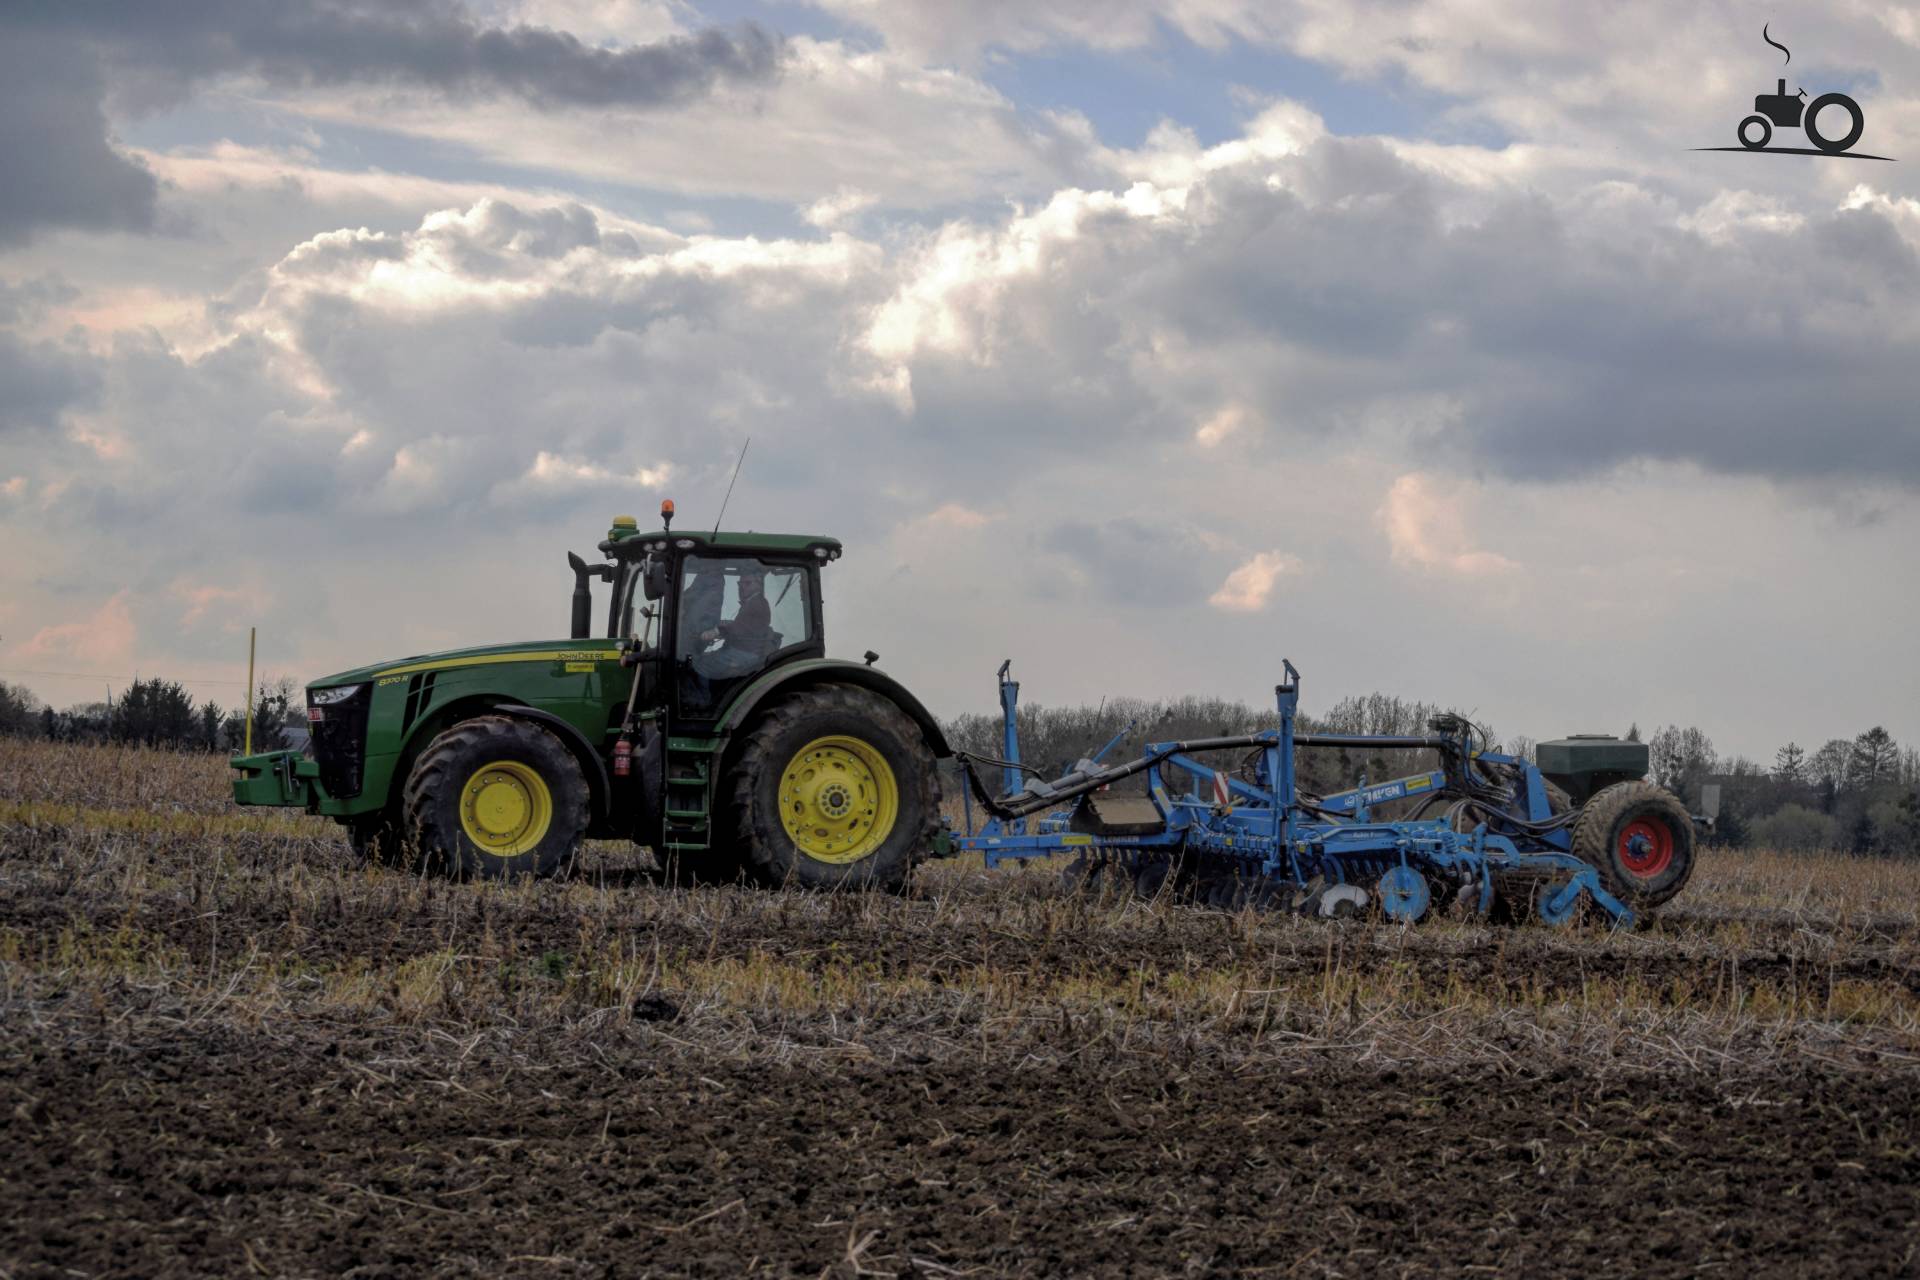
[(506, 808), (838, 799)]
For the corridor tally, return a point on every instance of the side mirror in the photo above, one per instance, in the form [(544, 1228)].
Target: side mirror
[(655, 582)]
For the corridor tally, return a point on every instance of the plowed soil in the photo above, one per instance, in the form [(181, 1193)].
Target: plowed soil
[(229, 1050), (206, 1151)]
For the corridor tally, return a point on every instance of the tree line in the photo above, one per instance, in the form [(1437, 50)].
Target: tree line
[(1053, 739), (1860, 794), (158, 713)]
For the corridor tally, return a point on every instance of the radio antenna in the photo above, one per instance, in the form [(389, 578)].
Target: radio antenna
[(736, 475)]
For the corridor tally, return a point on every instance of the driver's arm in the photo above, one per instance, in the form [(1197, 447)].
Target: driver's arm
[(754, 617)]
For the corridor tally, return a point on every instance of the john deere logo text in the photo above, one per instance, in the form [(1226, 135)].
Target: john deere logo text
[(1832, 122)]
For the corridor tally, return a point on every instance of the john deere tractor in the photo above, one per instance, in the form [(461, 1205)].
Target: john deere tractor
[(707, 724)]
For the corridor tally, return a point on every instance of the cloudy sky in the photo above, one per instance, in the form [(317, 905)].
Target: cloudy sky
[(1142, 341)]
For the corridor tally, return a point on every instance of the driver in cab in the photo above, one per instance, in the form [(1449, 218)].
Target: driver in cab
[(746, 638)]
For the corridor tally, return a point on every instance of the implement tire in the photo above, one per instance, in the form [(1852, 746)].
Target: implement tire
[(1640, 839), (834, 788), (495, 798)]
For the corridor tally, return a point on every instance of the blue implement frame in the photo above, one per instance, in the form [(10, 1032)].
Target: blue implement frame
[(1266, 834)]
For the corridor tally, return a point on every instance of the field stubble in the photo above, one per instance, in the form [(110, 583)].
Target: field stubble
[(232, 1049)]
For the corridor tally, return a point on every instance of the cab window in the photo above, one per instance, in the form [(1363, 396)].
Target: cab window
[(736, 612)]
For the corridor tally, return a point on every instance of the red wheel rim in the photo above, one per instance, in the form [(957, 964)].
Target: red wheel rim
[(1646, 848)]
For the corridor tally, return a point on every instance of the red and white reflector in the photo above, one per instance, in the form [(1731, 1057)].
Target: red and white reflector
[(316, 714), (1222, 795)]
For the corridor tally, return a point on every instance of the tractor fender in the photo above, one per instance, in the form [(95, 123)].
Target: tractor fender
[(436, 719), (833, 671), (590, 762)]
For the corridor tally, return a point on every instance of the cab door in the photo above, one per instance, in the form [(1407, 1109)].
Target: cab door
[(735, 617)]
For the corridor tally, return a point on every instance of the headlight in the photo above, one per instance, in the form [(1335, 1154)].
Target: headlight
[(327, 697)]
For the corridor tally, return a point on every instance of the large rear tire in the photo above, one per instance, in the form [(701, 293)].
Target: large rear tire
[(496, 798), (834, 789), (1640, 839)]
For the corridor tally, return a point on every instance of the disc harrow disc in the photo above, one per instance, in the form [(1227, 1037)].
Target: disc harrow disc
[(1404, 895)]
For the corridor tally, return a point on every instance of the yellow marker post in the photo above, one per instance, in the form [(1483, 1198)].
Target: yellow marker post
[(249, 746)]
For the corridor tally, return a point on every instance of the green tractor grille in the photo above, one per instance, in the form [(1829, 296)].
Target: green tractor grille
[(340, 742)]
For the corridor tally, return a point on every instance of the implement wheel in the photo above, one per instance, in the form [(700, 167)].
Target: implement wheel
[(1640, 839), (496, 798), (834, 788)]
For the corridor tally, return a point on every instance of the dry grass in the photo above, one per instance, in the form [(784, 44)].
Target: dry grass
[(125, 870)]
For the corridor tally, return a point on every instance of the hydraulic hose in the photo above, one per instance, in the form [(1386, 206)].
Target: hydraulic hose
[(1045, 795)]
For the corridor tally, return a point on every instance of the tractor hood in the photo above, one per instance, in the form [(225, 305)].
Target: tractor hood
[(483, 655)]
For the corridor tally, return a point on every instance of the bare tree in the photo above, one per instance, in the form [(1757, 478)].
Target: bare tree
[(1682, 758), (1790, 765), (1828, 767), (1872, 758), (19, 709)]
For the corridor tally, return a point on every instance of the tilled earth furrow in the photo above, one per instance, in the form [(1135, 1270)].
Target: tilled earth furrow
[(215, 1150)]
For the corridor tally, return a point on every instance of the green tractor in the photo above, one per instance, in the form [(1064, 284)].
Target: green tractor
[(708, 725)]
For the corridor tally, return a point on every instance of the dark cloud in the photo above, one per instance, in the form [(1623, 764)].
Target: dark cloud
[(1531, 338), (26, 301), (432, 44), (60, 169), (1135, 562), (38, 382), (59, 62)]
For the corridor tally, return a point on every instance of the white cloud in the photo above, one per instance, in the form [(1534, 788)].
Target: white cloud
[(1575, 98), (830, 211), (953, 515), (1425, 521), (1224, 422), (1249, 586), (943, 32), (930, 135), (954, 286), (1731, 213), (550, 471), (600, 22)]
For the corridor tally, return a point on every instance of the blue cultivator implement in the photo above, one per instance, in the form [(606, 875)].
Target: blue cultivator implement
[(1580, 833)]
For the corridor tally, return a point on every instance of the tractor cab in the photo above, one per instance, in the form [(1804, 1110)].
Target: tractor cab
[(703, 614)]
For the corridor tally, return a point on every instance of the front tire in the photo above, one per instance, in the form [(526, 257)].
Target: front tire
[(1766, 133), (1640, 839), (495, 798), (834, 789)]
